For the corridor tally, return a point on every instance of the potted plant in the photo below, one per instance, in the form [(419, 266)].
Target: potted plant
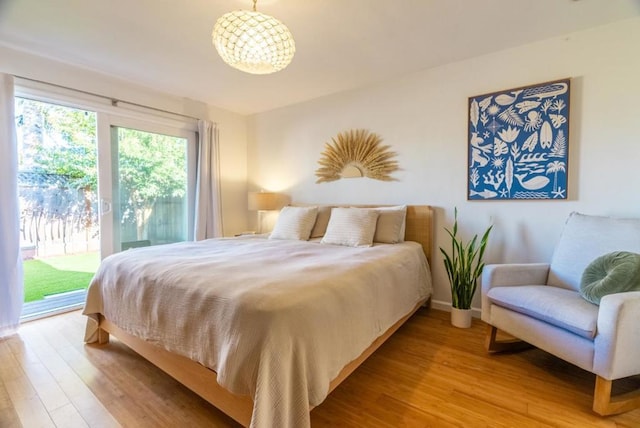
[(464, 266)]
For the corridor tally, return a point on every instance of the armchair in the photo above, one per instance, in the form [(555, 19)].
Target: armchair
[(540, 305)]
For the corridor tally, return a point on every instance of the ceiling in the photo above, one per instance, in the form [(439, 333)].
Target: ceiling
[(340, 44)]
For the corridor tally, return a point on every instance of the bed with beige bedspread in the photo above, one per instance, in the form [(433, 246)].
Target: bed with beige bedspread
[(276, 331)]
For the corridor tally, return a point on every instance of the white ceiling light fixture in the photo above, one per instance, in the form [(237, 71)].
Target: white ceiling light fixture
[(253, 42)]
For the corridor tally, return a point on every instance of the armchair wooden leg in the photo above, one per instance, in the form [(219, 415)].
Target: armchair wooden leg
[(604, 404), (512, 345)]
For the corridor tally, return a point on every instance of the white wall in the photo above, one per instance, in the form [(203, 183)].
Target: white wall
[(424, 119), (233, 127)]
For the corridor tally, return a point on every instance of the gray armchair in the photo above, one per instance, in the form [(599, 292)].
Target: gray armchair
[(540, 304)]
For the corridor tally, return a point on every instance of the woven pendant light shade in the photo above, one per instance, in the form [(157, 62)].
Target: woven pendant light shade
[(253, 42)]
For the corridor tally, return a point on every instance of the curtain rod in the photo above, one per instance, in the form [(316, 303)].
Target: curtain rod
[(114, 101)]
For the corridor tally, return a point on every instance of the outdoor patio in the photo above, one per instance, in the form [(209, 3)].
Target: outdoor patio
[(52, 305)]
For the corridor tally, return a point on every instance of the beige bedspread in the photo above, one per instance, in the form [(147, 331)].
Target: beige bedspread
[(277, 320)]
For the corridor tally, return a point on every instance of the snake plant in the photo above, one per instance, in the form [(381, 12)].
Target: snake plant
[(464, 265)]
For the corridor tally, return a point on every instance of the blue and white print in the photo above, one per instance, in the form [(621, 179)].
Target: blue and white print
[(518, 143)]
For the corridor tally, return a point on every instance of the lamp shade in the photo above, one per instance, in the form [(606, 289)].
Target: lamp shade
[(263, 201), (253, 42)]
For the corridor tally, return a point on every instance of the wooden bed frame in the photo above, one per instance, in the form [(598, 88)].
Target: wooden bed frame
[(202, 380)]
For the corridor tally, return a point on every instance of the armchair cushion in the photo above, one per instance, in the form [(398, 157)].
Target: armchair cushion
[(507, 275), (557, 306), (614, 272), (586, 237)]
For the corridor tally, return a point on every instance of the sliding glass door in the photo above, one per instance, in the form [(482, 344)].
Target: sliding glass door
[(58, 195), (90, 185), (150, 191), (147, 176)]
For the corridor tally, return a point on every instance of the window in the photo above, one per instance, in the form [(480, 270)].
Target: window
[(92, 183)]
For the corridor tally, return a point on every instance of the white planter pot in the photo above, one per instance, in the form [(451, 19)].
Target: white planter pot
[(461, 318)]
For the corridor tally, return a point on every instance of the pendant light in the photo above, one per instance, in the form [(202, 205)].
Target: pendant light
[(253, 42)]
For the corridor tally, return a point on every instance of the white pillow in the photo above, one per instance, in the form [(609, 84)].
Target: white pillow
[(294, 223), (352, 227), (391, 224)]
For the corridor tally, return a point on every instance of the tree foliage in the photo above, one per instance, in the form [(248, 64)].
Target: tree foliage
[(150, 167), (58, 140), (62, 141)]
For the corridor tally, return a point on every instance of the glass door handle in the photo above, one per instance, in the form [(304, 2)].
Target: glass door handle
[(105, 207)]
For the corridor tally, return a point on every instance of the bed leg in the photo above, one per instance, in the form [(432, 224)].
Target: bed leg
[(512, 345), (103, 336)]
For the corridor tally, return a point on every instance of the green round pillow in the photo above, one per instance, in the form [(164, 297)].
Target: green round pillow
[(611, 273)]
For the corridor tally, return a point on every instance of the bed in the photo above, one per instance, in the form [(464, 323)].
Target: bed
[(264, 329)]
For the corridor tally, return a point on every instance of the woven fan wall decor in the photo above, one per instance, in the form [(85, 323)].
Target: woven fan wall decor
[(356, 153)]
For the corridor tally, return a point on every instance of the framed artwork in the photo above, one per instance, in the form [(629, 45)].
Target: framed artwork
[(518, 143)]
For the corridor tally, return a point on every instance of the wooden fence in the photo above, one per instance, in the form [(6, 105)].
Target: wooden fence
[(57, 219)]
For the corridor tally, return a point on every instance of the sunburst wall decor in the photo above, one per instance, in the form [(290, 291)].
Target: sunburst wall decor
[(356, 153)]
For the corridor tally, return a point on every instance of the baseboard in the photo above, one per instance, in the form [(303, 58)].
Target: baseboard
[(446, 306)]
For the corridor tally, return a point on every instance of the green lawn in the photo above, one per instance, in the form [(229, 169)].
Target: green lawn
[(58, 274)]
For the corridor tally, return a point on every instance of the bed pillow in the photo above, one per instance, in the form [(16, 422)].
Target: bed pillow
[(614, 272), (391, 224), (322, 220), (352, 227), (294, 223)]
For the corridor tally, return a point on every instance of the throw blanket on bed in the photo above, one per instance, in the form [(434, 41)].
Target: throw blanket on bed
[(277, 320)]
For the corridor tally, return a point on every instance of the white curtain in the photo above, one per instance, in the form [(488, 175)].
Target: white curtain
[(11, 277), (208, 221)]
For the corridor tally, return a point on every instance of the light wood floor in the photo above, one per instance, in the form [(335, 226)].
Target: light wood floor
[(428, 374)]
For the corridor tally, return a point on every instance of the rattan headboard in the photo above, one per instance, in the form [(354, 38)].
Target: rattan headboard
[(419, 227)]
